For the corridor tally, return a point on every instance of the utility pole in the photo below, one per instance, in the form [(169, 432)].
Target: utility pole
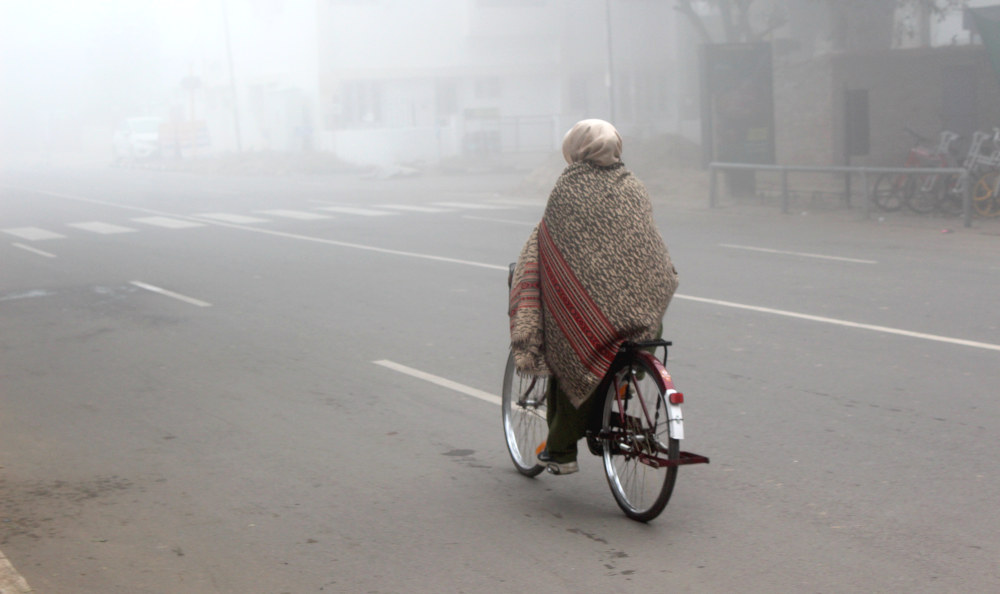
[(232, 79)]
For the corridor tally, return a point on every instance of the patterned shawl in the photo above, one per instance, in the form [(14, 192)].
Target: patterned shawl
[(594, 273)]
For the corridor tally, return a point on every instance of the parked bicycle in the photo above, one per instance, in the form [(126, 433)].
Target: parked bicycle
[(985, 169), (928, 192), (637, 430), (922, 193), (947, 192)]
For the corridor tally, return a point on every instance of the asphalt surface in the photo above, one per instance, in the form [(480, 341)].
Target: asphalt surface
[(194, 395)]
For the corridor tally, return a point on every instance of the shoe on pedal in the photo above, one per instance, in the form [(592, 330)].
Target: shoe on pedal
[(554, 467)]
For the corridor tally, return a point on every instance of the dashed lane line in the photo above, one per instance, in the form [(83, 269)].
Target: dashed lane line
[(226, 217), (799, 254), (171, 294), (767, 310), (412, 208), (300, 215), (33, 233), (471, 205), (440, 381), (28, 248), (11, 582), (354, 210), (101, 228), (168, 222), (845, 323), (504, 221)]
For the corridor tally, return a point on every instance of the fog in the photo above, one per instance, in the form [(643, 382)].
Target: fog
[(386, 82), (382, 82)]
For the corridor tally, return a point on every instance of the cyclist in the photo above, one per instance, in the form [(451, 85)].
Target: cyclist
[(593, 274)]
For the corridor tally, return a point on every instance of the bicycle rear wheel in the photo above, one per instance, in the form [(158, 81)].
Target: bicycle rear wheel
[(524, 424), (639, 453)]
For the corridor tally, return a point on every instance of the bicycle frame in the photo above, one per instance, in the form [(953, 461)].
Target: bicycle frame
[(673, 401)]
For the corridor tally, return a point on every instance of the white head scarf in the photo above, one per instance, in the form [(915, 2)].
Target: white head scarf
[(593, 141)]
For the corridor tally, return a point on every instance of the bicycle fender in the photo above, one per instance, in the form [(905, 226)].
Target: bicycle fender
[(674, 417)]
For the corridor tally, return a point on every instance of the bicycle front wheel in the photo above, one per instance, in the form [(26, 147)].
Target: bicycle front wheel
[(639, 453), (890, 191), (524, 424), (984, 194)]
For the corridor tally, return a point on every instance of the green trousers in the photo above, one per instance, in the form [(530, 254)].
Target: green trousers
[(567, 424)]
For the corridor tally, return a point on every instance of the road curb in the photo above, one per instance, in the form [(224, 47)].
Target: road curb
[(11, 581)]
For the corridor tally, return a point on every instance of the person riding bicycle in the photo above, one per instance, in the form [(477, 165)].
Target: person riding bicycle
[(593, 274)]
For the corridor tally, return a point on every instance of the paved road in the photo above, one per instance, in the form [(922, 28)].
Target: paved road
[(191, 397)]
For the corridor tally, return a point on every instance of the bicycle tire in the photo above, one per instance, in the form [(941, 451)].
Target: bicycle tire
[(524, 411), (923, 200), (889, 192), (951, 201), (635, 433), (984, 196)]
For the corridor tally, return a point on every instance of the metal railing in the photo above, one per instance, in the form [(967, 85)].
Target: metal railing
[(864, 172)]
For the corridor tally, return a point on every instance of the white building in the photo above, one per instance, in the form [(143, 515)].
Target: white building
[(423, 80)]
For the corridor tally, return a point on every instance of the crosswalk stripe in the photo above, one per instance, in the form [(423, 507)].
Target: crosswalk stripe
[(410, 208), (231, 218), (102, 228), (352, 210), (471, 205), (293, 214), (32, 233), (168, 222)]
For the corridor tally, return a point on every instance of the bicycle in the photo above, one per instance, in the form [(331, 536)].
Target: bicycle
[(949, 192), (986, 191), (921, 193), (637, 431)]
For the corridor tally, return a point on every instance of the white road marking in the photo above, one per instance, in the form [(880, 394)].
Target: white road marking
[(167, 293), (231, 218), (845, 323), (443, 382), (101, 228), (353, 210), (410, 208), (504, 268), (505, 221), (294, 214), (33, 233), (26, 295), (168, 222), (471, 205), (10, 579), (33, 250), (800, 254), (519, 202)]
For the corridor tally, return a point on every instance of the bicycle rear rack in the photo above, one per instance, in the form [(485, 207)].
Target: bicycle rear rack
[(613, 436)]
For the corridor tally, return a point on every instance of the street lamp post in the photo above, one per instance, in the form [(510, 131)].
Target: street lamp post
[(232, 79)]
